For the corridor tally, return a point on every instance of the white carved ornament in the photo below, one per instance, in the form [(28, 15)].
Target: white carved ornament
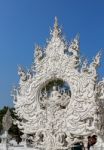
[(57, 117)]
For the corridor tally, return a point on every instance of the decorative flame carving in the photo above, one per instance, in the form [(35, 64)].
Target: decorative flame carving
[(56, 118)]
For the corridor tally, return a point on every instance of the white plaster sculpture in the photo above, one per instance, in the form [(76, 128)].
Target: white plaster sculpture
[(6, 123), (56, 119)]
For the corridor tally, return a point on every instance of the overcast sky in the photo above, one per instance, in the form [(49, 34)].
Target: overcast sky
[(23, 23)]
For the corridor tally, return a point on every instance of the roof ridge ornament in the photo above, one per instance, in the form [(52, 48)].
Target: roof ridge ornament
[(75, 43), (97, 58), (56, 22), (38, 52), (56, 30)]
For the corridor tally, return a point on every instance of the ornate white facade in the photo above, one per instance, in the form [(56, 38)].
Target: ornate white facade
[(59, 115)]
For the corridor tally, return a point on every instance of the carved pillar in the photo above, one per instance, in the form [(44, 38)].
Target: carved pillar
[(85, 142), (24, 137), (6, 123), (5, 140)]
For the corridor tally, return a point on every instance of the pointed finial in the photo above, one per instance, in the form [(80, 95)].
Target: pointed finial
[(57, 30), (75, 43), (38, 52), (56, 23), (77, 37), (96, 60), (97, 57)]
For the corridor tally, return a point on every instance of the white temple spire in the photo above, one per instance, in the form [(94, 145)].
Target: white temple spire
[(74, 45), (56, 23), (56, 30)]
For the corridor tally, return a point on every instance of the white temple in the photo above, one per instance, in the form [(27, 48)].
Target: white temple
[(60, 99)]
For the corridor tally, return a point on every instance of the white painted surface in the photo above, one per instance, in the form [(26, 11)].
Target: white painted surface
[(59, 127)]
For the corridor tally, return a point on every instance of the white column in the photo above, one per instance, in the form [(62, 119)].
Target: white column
[(5, 140)]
